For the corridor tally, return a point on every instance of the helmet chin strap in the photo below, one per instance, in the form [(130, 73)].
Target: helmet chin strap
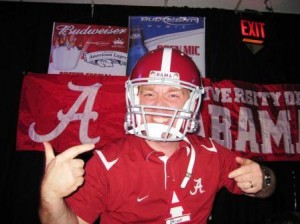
[(159, 132), (190, 167)]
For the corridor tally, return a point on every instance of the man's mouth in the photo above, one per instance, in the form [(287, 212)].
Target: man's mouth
[(160, 120)]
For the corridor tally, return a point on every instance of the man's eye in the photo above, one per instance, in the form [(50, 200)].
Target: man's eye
[(174, 96), (148, 94)]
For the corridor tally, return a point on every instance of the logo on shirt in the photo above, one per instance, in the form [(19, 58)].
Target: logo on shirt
[(139, 199), (198, 187)]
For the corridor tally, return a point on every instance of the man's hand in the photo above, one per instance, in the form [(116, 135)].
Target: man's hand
[(63, 173), (249, 177)]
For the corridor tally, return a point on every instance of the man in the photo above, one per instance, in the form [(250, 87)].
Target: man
[(160, 172)]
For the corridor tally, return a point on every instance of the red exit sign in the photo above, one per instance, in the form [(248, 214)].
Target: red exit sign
[(253, 31)]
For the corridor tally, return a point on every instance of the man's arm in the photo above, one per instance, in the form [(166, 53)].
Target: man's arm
[(55, 211), (63, 175)]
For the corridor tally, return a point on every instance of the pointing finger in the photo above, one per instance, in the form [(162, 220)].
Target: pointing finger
[(238, 171), (243, 169), (77, 150)]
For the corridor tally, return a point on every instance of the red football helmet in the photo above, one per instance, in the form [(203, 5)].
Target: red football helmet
[(163, 66)]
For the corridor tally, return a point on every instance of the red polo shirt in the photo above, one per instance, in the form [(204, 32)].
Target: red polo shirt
[(128, 182)]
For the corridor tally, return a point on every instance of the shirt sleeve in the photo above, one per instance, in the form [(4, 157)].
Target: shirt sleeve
[(227, 164)]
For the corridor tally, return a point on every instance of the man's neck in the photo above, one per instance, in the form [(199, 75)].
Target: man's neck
[(168, 148)]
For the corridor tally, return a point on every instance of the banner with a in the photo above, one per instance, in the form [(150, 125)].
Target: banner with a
[(255, 121), (88, 49), (69, 110), (186, 33)]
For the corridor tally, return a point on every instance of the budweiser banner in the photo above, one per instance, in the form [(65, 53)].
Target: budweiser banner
[(256, 121), (88, 49)]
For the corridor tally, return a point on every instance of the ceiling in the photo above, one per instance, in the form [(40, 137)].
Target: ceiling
[(276, 6)]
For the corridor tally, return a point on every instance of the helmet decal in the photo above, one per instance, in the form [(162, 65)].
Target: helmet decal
[(166, 60)]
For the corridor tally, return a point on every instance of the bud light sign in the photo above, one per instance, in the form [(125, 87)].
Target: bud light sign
[(186, 33)]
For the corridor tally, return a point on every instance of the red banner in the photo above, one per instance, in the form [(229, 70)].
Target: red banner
[(256, 121), (69, 110)]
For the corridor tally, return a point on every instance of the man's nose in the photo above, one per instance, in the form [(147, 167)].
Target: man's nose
[(161, 101)]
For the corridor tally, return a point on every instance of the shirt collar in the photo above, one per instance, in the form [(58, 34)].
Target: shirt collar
[(147, 151)]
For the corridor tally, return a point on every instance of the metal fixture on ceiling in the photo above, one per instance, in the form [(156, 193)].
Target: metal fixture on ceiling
[(276, 6)]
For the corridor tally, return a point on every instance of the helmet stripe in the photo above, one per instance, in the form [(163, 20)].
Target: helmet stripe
[(166, 60)]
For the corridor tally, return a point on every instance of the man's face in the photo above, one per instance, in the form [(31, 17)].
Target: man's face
[(164, 96)]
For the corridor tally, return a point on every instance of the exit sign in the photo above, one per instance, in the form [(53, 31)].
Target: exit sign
[(253, 31)]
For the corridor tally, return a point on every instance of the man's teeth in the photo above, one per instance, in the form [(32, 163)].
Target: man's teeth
[(160, 119)]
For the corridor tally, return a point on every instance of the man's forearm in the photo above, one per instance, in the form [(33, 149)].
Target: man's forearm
[(56, 212)]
